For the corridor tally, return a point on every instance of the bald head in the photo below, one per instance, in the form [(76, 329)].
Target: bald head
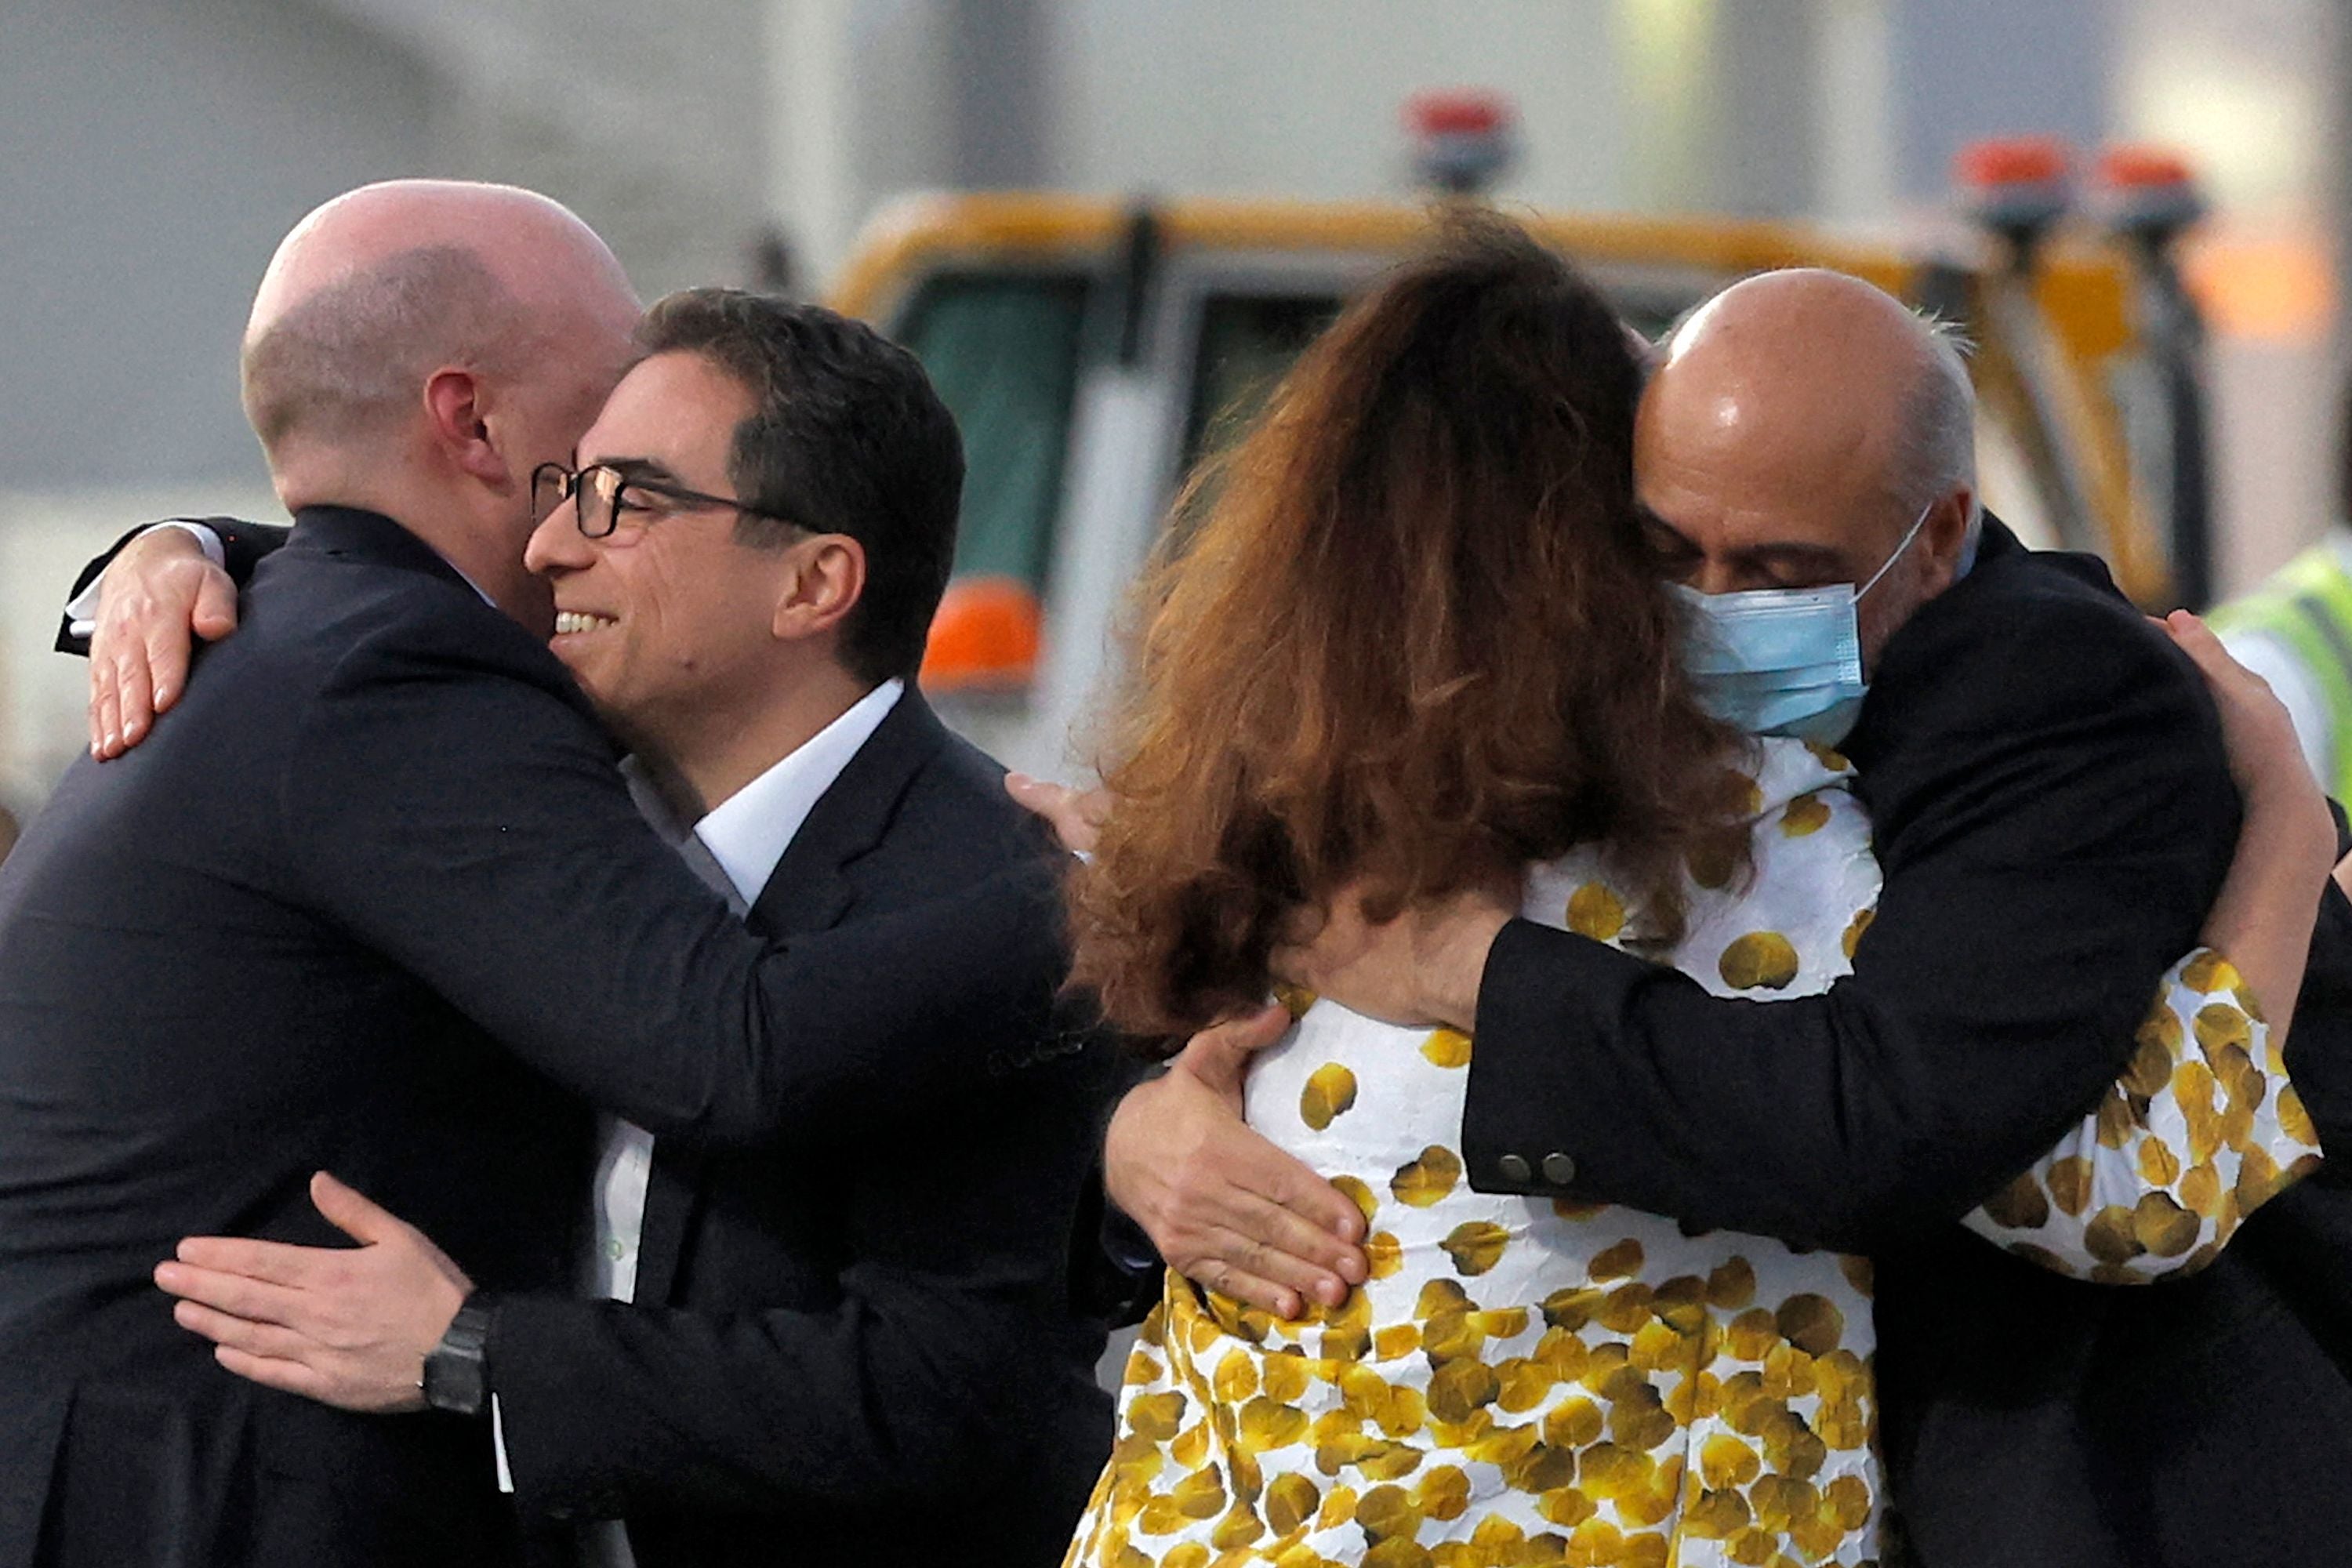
[(375, 290), (1795, 429), (419, 348)]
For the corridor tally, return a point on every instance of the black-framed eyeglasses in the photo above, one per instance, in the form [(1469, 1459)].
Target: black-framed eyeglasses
[(606, 495)]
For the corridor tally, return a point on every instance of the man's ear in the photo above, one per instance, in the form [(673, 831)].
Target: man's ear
[(457, 410), (1947, 532), (826, 580)]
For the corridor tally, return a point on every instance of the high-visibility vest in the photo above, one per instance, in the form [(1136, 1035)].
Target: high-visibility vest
[(2308, 607)]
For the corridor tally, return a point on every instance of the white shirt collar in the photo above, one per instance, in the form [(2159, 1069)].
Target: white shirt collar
[(748, 832)]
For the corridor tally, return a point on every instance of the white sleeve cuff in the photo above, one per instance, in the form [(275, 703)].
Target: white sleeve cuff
[(82, 612)]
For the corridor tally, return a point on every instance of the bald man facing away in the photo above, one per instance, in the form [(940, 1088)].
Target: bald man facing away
[(374, 887), (2053, 811)]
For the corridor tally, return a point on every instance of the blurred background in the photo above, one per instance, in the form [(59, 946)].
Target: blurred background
[(1160, 199)]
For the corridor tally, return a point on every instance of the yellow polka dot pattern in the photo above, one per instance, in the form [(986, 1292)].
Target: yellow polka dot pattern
[(2203, 1128), (1523, 1381), (1554, 1380)]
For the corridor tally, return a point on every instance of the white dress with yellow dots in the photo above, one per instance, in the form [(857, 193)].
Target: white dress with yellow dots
[(1527, 1381)]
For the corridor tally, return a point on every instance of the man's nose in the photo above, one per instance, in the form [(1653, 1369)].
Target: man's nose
[(557, 544), (1713, 576)]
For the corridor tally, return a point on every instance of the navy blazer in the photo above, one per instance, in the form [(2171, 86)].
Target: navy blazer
[(856, 1346), (380, 832)]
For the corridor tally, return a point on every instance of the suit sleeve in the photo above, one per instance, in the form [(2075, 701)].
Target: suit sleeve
[(942, 1362), (910, 1389), (2054, 815), (1116, 1272), (468, 822), (243, 546)]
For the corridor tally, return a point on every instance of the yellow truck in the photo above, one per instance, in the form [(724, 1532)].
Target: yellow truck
[(1094, 349)]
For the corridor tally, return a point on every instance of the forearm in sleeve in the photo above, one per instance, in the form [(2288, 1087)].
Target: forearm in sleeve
[(2202, 1129), (2039, 877), (920, 1392), (470, 826)]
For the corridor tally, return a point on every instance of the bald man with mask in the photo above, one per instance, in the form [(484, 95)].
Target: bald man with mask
[(2053, 811), (371, 904)]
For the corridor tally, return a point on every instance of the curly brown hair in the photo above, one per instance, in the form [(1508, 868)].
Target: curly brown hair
[(1416, 638)]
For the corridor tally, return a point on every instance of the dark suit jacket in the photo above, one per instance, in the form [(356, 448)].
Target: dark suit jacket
[(2054, 812), (380, 831), (856, 1346)]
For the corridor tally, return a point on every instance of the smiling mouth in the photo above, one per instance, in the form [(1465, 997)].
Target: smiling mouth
[(571, 622)]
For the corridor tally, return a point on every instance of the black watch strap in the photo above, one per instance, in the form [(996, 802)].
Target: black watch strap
[(456, 1372)]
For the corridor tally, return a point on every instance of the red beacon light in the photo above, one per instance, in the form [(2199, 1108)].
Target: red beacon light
[(2016, 186), (1462, 138), (2147, 194)]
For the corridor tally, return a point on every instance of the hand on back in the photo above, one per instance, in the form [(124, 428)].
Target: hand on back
[(2265, 758), (1420, 968), (1076, 815), (157, 596), (1220, 1202)]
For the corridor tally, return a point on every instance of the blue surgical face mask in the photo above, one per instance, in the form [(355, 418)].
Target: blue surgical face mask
[(1783, 661)]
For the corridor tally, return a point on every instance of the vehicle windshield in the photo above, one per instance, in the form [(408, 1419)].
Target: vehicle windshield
[(1002, 349)]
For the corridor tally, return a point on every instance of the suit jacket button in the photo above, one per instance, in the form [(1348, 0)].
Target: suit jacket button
[(1558, 1169), (1514, 1168)]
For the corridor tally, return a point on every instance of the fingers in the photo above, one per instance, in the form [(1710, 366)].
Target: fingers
[(118, 687), (165, 673), (2212, 660), (134, 695), (2196, 640), (271, 1340), (239, 1295), (1291, 1248), (1291, 1187), (2189, 629), (1240, 1263), (1217, 1275), (1219, 1056), (1077, 817), (216, 613), (1244, 1204), (105, 720), (158, 598), (271, 1262), (344, 1208), (291, 1376)]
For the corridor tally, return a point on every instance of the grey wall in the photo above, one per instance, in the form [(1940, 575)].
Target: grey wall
[(1993, 67), (156, 151)]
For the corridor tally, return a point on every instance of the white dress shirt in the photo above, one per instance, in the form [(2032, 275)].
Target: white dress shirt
[(746, 835), (736, 847)]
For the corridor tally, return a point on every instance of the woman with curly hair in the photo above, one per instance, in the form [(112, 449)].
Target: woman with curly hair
[(1417, 644)]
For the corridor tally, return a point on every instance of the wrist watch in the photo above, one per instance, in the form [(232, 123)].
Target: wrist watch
[(456, 1372)]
